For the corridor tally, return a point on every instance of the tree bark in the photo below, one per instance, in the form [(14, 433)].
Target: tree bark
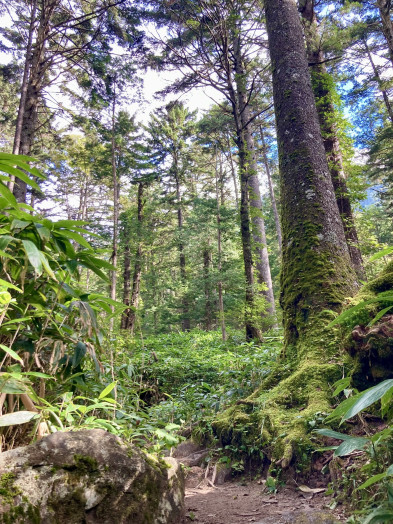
[(271, 190), (384, 7), (316, 271), (207, 260), (322, 84), (248, 168), (129, 315), (185, 322), (25, 81), (36, 77), (221, 311), (233, 171), (116, 194)]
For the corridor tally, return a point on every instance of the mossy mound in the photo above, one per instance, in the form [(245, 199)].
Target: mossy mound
[(277, 417), (367, 338)]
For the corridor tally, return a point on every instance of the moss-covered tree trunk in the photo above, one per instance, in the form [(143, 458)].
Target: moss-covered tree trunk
[(317, 275), (323, 88), (317, 271)]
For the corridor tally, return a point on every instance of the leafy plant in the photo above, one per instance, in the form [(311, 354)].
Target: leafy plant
[(377, 446)]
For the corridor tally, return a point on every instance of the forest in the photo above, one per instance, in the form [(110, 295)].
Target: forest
[(196, 261)]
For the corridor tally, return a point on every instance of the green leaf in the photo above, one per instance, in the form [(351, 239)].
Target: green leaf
[(8, 285), (5, 240), (19, 174), (382, 253), (7, 195), (349, 445), (16, 321), (372, 480), (69, 223), (379, 516), (107, 390), (19, 417), (22, 165), (43, 232), (46, 266), (73, 236), (368, 397), (340, 385), (332, 434), (380, 315), (34, 255), (15, 158), (11, 353), (342, 408), (349, 312)]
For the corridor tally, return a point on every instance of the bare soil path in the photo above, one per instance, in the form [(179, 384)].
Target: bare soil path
[(240, 503)]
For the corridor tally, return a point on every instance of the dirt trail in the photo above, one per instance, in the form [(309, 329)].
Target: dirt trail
[(234, 503), (213, 497)]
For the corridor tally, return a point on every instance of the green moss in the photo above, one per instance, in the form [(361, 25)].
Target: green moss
[(8, 489), (86, 464)]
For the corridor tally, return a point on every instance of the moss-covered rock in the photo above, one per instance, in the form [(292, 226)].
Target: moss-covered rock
[(88, 476)]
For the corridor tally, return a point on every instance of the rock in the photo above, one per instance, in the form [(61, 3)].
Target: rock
[(186, 448), (90, 477), (190, 454), (194, 476), (221, 473), (195, 459)]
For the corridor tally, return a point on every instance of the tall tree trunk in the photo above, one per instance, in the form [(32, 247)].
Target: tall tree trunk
[(323, 84), (233, 171), (219, 263), (126, 281), (27, 122), (379, 81), (316, 271), (129, 315), (116, 194), (271, 190), (248, 166), (207, 262), (23, 92), (185, 322), (384, 7)]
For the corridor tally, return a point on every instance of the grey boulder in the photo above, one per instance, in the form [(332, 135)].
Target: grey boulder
[(88, 476)]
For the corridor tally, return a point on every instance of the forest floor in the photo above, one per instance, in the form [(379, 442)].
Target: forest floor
[(238, 502)]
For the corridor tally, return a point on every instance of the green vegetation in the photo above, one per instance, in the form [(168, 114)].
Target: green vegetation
[(149, 260)]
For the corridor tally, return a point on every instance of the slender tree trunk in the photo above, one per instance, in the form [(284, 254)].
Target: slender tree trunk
[(233, 172), (384, 7), (316, 272), (207, 262), (379, 81), (322, 84), (271, 190), (27, 122), (248, 164), (126, 281), (116, 194), (23, 93), (185, 323), (219, 264), (129, 315)]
